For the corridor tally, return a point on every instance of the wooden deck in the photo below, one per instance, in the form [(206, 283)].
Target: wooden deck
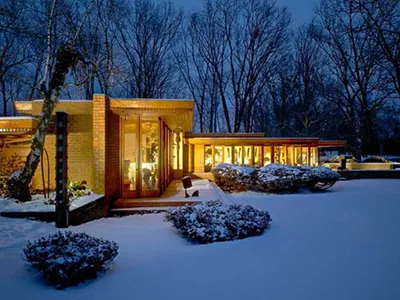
[(172, 197)]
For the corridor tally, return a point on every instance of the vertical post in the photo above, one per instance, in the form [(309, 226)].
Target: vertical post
[(273, 154), (62, 205)]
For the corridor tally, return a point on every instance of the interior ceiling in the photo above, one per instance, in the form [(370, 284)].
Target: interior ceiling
[(174, 118)]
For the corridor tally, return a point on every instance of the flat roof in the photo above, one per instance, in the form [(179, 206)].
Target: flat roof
[(257, 139)]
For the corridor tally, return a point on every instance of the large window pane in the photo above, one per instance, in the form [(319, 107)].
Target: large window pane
[(228, 154), (313, 156), (177, 151), (248, 155), (150, 152), (280, 155), (290, 158), (257, 155), (218, 155), (207, 158), (129, 155), (267, 155), (238, 157), (304, 156)]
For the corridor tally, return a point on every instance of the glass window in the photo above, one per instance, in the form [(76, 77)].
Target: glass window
[(257, 155), (313, 156), (267, 155), (207, 158), (248, 155), (280, 155), (150, 153), (177, 154), (129, 155), (218, 155), (290, 158), (228, 154), (304, 156), (238, 158)]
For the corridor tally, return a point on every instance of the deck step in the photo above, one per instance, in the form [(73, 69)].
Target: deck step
[(119, 212), (127, 203)]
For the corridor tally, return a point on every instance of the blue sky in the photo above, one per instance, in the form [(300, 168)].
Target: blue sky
[(301, 10)]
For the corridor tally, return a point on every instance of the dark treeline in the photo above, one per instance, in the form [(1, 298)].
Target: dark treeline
[(243, 62)]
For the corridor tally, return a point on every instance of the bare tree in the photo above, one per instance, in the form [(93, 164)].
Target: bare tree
[(241, 43), (67, 56), (147, 34), (311, 109), (355, 63), (14, 50), (382, 24)]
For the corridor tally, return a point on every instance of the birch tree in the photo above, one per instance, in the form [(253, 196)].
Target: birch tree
[(66, 57)]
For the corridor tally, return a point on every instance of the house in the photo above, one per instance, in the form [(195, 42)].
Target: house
[(134, 148)]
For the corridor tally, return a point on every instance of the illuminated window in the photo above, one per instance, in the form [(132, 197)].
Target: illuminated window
[(304, 156), (228, 154), (257, 155), (130, 155), (150, 152), (248, 155), (207, 158), (267, 155), (218, 155), (280, 155), (290, 155), (238, 157), (177, 155), (314, 156)]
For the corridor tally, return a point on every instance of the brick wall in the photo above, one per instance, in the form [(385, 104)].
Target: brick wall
[(89, 212), (106, 149), (101, 104), (80, 153), (113, 173)]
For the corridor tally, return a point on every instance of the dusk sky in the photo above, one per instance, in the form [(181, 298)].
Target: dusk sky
[(301, 10)]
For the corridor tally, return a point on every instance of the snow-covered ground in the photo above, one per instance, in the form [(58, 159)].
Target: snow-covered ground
[(341, 244), (38, 203)]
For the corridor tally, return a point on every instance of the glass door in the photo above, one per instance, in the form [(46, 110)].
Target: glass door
[(150, 157), (130, 157)]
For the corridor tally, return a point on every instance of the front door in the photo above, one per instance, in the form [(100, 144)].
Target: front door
[(130, 157), (140, 157)]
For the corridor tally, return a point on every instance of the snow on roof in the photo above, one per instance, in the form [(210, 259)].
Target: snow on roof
[(17, 118)]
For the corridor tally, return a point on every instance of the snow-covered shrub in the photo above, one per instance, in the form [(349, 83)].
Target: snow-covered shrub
[(232, 177), (67, 258), (278, 178), (8, 165), (318, 177), (208, 223), (375, 159), (77, 189), (273, 177)]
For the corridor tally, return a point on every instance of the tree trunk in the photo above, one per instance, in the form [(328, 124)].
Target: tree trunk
[(18, 184)]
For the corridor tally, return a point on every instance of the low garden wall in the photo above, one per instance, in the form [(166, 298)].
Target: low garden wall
[(363, 166), (370, 174), (90, 211)]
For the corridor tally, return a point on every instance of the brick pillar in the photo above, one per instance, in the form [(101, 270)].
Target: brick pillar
[(101, 106)]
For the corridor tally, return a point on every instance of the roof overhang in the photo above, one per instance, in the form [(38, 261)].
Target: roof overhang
[(17, 129), (176, 113), (331, 143), (72, 107), (212, 139)]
